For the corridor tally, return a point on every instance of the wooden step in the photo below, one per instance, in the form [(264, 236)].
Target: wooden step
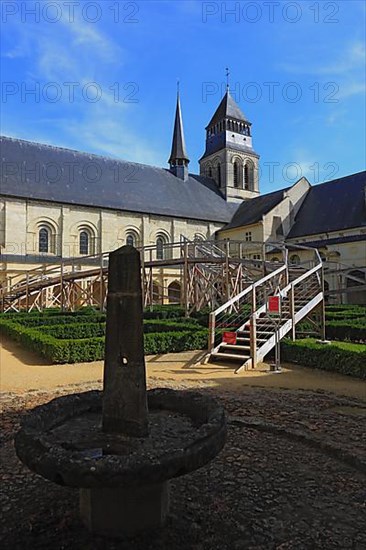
[(230, 356), (240, 339), (234, 346)]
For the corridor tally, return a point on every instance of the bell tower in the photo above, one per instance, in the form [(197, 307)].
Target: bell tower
[(229, 157)]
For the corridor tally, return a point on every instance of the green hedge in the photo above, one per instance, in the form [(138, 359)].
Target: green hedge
[(74, 331), (344, 315), (164, 312), (49, 312), (40, 321), (78, 331), (346, 307), (92, 348), (169, 342), (355, 330), (349, 360)]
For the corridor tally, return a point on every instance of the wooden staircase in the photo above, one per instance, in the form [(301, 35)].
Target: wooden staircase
[(301, 290)]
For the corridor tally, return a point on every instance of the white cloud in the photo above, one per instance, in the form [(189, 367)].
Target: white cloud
[(77, 51), (352, 58)]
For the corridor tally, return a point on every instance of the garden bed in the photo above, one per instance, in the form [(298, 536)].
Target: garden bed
[(343, 357), (77, 338)]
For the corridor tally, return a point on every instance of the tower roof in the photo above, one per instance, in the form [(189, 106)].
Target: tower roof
[(178, 151), (228, 108)]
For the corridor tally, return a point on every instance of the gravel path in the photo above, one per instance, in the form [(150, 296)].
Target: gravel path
[(291, 476)]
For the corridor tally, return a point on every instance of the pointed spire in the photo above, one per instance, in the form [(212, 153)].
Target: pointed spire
[(178, 155), (227, 79), (228, 108)]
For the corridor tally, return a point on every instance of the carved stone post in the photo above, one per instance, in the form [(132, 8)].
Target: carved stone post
[(124, 401)]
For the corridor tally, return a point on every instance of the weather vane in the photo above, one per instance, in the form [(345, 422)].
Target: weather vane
[(227, 78)]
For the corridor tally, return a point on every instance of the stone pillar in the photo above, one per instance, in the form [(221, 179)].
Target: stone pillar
[(126, 510), (124, 399)]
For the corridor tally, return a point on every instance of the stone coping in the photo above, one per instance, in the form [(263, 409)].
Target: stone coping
[(36, 449)]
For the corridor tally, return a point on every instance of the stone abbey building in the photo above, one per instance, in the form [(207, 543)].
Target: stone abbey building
[(57, 203)]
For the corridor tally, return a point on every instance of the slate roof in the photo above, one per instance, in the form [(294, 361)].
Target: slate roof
[(332, 206), (41, 172), (228, 108), (252, 211), (335, 240), (178, 145)]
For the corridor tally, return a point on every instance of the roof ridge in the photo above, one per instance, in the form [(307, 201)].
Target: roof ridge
[(338, 179), (59, 148)]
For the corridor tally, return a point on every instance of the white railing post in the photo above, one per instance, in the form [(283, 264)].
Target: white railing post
[(292, 312), (185, 280), (27, 294), (253, 340), (253, 329), (211, 332), (323, 303), (101, 284)]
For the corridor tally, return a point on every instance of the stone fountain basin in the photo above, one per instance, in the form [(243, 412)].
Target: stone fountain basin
[(63, 441)]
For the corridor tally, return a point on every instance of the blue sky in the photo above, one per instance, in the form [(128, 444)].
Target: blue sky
[(104, 78)]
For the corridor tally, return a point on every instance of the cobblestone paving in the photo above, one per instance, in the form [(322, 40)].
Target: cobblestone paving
[(291, 476)]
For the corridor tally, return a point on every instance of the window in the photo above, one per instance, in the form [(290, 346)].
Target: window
[(44, 239), (275, 259), (294, 259), (84, 243), (130, 240), (160, 252), (248, 236), (174, 293), (249, 175), (219, 174), (87, 241), (257, 257), (236, 174), (210, 172)]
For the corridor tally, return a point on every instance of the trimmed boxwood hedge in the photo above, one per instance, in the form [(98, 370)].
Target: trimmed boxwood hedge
[(90, 330), (355, 330), (345, 316), (74, 331), (41, 321), (326, 357), (164, 312), (76, 350)]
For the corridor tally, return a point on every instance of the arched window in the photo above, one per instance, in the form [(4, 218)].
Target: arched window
[(294, 259), (160, 247), (130, 240), (44, 238), (174, 292), (354, 280), (84, 242), (249, 175), (236, 174), (219, 174), (210, 172)]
